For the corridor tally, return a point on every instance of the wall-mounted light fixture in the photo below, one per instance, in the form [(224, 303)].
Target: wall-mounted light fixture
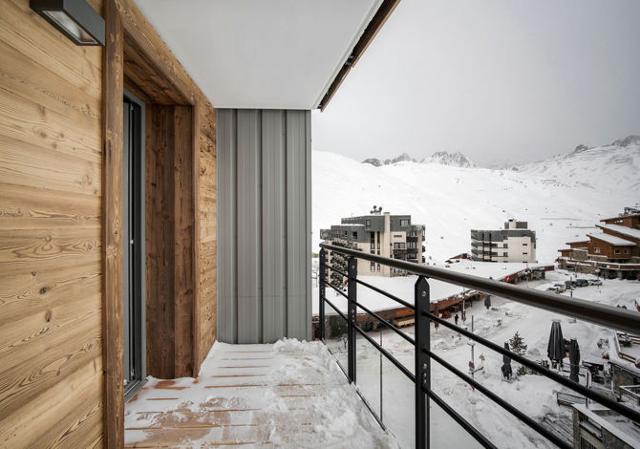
[(75, 18)]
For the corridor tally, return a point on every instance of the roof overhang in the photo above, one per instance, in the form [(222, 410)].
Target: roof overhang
[(277, 54)]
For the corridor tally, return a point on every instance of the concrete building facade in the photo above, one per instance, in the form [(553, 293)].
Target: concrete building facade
[(382, 234), (514, 243)]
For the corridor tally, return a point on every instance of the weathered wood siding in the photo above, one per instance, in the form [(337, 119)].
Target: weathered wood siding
[(53, 323), (51, 381), (173, 86)]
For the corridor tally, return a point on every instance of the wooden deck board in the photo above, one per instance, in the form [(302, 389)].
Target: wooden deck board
[(231, 404)]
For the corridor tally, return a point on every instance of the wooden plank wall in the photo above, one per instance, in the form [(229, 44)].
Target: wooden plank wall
[(51, 381), (169, 241), (52, 229), (174, 83)]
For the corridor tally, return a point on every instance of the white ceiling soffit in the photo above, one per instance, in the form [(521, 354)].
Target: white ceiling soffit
[(271, 54)]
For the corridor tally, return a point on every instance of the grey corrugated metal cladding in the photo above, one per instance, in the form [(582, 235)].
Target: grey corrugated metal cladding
[(264, 225)]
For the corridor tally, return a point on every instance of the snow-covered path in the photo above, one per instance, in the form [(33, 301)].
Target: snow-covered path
[(286, 395)]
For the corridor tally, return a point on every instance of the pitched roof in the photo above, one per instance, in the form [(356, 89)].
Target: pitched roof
[(624, 230), (611, 239)]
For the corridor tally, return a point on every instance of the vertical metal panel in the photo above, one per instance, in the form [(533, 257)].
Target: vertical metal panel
[(226, 225), (273, 226), (297, 309), (306, 250), (264, 225), (249, 272)]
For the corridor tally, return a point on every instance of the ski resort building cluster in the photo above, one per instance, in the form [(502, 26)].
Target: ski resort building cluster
[(514, 243), (613, 251), (382, 234)]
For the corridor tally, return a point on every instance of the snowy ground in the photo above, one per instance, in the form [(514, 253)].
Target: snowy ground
[(288, 395), (535, 395), (403, 286)]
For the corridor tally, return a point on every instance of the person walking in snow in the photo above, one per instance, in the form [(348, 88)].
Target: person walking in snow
[(456, 318)]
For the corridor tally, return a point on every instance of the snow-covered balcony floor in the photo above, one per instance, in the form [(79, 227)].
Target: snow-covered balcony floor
[(286, 395)]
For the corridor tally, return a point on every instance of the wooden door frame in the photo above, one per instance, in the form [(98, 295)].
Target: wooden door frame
[(126, 25)]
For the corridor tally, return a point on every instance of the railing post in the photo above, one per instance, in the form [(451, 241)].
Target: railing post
[(322, 291), (352, 271), (423, 362)]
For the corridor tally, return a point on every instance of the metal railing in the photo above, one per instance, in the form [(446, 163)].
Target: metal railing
[(599, 314)]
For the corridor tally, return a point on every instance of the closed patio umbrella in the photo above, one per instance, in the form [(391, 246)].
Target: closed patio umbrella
[(555, 349), (574, 359), (506, 364)]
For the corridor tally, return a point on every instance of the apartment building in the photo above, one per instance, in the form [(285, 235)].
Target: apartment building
[(382, 234), (514, 243)]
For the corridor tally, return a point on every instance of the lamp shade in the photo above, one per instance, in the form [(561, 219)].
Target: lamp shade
[(76, 19)]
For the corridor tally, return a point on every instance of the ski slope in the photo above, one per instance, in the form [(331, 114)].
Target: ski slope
[(562, 198)]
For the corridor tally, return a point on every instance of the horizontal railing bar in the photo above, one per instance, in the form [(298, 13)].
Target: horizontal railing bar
[(338, 290), (502, 403), (388, 295), (613, 405), (457, 417), (603, 315), (337, 271), (334, 308), (387, 354), (376, 289), (450, 411), (387, 323)]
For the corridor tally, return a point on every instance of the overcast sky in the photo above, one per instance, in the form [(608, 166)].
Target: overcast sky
[(499, 80)]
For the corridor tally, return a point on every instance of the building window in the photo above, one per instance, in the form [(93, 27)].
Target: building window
[(378, 267), (368, 223), (616, 251), (355, 235), (596, 250), (372, 267), (524, 254), (404, 222), (505, 254), (525, 244)]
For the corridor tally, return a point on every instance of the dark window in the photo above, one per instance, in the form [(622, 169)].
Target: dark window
[(134, 280)]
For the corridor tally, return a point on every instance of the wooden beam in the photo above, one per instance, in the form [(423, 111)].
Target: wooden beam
[(112, 320)]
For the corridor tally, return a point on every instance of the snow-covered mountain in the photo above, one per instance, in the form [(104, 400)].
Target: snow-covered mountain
[(404, 157), (562, 198), (456, 159), (593, 167)]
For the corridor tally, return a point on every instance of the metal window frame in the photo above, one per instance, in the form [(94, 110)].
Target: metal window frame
[(135, 257)]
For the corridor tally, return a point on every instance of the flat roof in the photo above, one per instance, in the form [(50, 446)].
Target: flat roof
[(621, 427), (276, 54), (611, 239)]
